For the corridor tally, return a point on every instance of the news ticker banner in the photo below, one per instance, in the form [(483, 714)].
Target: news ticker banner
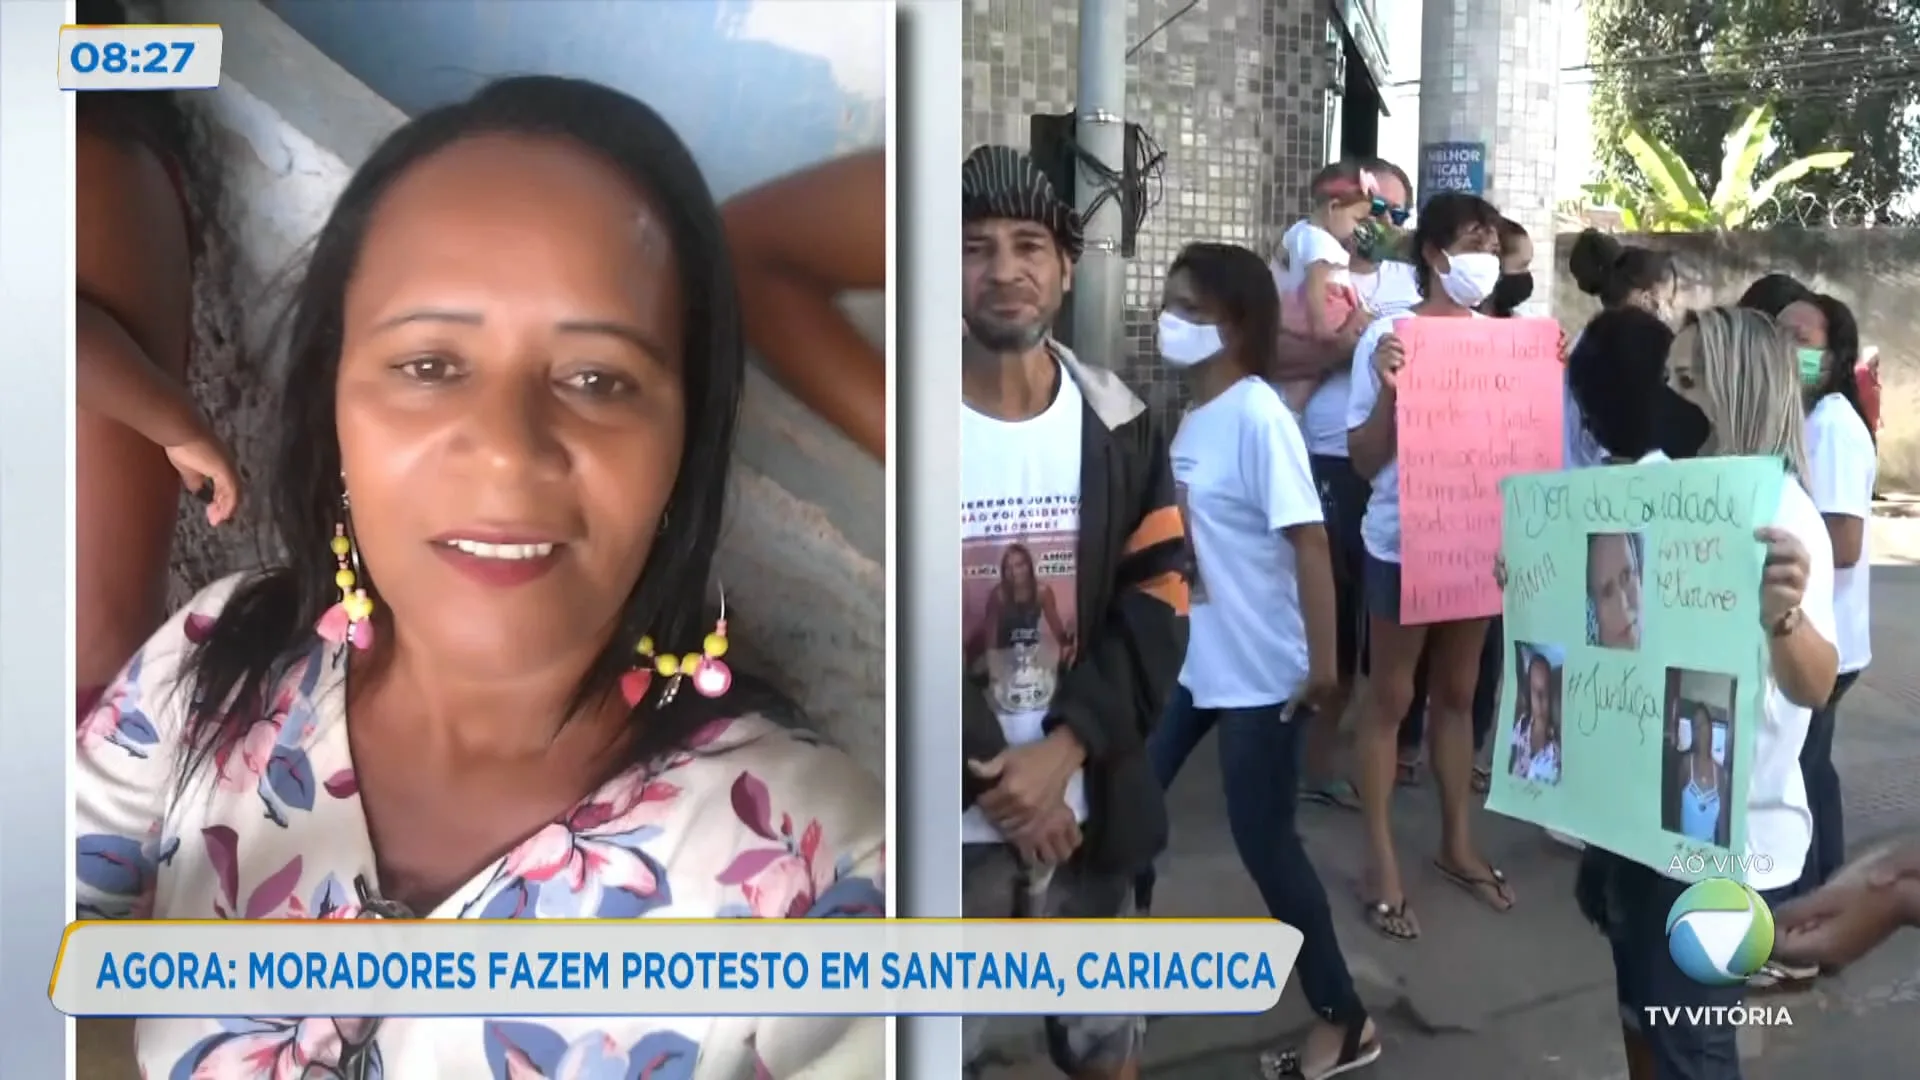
[(157, 57), (658, 967)]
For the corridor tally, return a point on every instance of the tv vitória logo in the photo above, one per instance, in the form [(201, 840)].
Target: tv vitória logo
[(1719, 932)]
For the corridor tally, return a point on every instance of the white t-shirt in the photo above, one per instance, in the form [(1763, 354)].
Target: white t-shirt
[(1305, 244), (1841, 462), (1389, 289), (1240, 476), (1380, 528), (1779, 824), (1020, 516)]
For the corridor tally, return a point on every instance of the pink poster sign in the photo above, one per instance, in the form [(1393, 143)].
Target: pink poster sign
[(1479, 400)]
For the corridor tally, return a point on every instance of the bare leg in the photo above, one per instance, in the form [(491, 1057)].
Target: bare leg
[(1394, 650), (1455, 649)]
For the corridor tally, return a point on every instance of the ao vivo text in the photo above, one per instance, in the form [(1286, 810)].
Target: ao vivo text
[(1719, 864)]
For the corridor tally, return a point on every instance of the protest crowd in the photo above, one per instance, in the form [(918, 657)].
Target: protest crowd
[(1403, 528)]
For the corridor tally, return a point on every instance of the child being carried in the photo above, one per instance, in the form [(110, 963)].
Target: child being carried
[(1317, 300)]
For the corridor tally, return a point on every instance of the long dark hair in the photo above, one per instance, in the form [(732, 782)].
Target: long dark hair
[(268, 624), (1772, 293), (1447, 217), (1611, 271), (1843, 346), (1617, 376), (1240, 285)]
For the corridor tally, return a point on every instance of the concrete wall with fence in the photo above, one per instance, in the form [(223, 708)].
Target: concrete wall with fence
[(1876, 272)]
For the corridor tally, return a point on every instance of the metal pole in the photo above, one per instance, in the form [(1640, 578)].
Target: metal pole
[(1099, 282)]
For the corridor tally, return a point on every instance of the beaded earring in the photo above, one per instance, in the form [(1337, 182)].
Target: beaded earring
[(711, 676), (351, 619)]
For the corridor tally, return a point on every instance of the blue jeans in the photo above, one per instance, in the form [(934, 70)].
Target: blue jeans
[(1260, 764), (1829, 849)]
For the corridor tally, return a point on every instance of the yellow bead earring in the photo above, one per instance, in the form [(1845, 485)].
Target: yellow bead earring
[(349, 621), (711, 676)]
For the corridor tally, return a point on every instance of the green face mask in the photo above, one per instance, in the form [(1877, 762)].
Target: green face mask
[(1811, 362)]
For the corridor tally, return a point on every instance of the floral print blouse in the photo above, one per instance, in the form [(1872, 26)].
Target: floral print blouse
[(751, 821)]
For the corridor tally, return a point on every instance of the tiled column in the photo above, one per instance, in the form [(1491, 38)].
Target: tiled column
[(1489, 73)]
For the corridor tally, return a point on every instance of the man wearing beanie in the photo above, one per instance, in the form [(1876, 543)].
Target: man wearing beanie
[(1071, 554)]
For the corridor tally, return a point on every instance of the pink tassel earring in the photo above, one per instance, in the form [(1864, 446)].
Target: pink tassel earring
[(351, 620), (634, 684)]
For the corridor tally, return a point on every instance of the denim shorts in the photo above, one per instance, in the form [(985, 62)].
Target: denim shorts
[(1382, 587)]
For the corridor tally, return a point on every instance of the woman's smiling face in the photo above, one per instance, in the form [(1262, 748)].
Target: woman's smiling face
[(510, 399)]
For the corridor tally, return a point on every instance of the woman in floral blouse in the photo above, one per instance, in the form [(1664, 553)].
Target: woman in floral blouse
[(488, 682)]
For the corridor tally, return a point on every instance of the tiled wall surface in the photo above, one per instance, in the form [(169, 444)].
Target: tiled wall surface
[(1233, 90), (1490, 74)]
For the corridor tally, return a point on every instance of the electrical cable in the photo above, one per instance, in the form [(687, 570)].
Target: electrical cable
[(1164, 23), (1138, 184)]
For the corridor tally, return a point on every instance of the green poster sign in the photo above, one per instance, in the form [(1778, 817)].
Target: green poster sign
[(1635, 658)]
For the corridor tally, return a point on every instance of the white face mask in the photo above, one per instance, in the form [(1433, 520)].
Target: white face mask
[(1719, 747), (1184, 344), (1470, 277), (1683, 735)]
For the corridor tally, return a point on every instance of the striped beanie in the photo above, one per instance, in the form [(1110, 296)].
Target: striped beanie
[(1001, 182)]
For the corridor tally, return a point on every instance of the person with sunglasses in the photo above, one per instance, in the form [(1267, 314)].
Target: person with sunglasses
[(1384, 283)]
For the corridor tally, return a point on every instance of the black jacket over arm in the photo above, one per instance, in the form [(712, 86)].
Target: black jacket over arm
[(1131, 595)]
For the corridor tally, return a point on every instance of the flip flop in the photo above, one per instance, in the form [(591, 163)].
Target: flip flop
[(1482, 780), (1478, 887), (1339, 794), (1406, 773), (1356, 1052), (1382, 915)]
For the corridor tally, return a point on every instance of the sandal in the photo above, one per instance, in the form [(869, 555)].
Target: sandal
[(1392, 921), (1774, 975), (1407, 772), (1482, 780), (1356, 1052), (1339, 794), (1480, 888)]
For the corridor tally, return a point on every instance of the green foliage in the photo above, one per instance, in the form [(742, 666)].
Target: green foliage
[(1676, 81), (1668, 197)]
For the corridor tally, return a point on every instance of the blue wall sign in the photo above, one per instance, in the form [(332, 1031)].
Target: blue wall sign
[(1452, 166)]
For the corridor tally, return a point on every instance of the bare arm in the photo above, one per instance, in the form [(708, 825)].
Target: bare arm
[(132, 263), (1307, 358), (1314, 292), (1847, 533), (798, 242), (1373, 444), (114, 379), (1805, 665), (1314, 561)]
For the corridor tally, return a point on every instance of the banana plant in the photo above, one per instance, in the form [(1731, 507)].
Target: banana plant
[(1670, 199)]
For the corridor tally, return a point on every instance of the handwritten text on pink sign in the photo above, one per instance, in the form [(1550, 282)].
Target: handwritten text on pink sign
[(1479, 400)]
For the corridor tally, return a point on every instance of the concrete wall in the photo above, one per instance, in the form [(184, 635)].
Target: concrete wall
[(1235, 92), (803, 554), (1875, 271)]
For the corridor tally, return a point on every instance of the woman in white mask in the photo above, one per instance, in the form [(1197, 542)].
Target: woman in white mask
[(1262, 638), (1457, 245)]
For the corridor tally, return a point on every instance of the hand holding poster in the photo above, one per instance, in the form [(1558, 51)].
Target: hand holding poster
[(1479, 400), (1636, 658)]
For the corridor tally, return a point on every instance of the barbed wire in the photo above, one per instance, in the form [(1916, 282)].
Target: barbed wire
[(1788, 209)]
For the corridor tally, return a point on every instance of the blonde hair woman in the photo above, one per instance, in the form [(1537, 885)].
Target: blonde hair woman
[(1738, 368)]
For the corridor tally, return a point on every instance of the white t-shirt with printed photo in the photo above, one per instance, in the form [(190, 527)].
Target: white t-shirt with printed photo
[(1842, 464), (1241, 477), (1019, 538)]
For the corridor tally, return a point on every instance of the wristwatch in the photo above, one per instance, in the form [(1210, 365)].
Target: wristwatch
[(1788, 623)]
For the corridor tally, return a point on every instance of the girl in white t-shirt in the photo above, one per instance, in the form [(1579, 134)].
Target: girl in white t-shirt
[(1455, 247), (1841, 468), (1317, 299), (1737, 368)]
